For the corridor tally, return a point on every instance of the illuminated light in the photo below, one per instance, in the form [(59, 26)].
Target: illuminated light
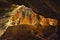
[(30, 17), (25, 20), (17, 18), (44, 22), (53, 22), (34, 19)]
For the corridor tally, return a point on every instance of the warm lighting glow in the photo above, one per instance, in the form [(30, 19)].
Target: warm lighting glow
[(24, 15)]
